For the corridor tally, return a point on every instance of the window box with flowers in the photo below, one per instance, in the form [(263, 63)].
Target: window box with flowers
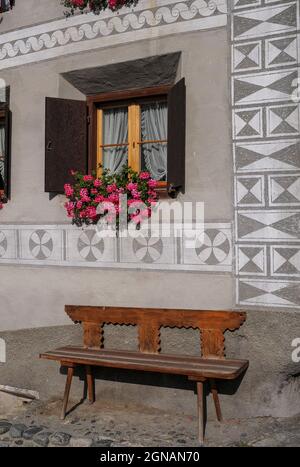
[(95, 6), (129, 193)]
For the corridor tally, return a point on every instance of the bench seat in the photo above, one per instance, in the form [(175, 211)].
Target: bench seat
[(206, 369), (161, 363)]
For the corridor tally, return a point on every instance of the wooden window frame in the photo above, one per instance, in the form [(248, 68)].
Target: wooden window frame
[(120, 98)]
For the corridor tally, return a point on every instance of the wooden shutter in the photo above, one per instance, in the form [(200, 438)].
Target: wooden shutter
[(176, 136), (66, 142), (5, 117)]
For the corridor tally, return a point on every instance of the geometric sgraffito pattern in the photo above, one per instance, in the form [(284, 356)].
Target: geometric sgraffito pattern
[(266, 148), (265, 156), (243, 3), (285, 261), (283, 120), (284, 190), (247, 56), (247, 123), (147, 249), (3, 244), (264, 87), (66, 245), (267, 21), (214, 248), (268, 226), (249, 191), (283, 51), (269, 293), (90, 246), (252, 260), (41, 244)]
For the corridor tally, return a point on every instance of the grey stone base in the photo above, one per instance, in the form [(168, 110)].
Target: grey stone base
[(269, 388)]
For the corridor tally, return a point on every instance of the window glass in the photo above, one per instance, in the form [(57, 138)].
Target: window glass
[(154, 128), (115, 139)]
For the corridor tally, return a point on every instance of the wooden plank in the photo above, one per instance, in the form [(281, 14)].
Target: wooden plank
[(205, 368), (129, 94)]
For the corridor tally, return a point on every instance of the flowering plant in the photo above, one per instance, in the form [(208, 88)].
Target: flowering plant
[(96, 6), (2, 199), (114, 198)]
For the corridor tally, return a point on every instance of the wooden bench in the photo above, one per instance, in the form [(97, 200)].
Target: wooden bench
[(208, 367)]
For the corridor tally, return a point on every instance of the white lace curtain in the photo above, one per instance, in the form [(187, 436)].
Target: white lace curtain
[(115, 129), (155, 127)]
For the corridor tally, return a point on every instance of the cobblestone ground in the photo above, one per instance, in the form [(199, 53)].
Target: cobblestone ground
[(38, 424)]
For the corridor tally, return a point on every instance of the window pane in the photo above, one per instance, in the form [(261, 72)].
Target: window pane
[(115, 131), (115, 158), (115, 126), (154, 127)]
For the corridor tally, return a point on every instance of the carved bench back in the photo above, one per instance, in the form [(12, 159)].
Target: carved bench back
[(211, 324)]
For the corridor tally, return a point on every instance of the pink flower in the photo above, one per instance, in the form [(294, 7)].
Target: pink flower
[(113, 198), (132, 186), (136, 194), (97, 183), (85, 199), (99, 199), (144, 175), (79, 204), (84, 192), (69, 191), (94, 191), (88, 178), (111, 188), (152, 183), (91, 212)]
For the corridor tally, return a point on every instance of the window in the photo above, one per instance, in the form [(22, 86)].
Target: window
[(6, 5), (144, 128), (134, 134)]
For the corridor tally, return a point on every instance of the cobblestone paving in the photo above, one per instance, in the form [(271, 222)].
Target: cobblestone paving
[(38, 424)]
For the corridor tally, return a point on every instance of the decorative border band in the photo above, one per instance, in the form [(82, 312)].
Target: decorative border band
[(87, 32), (65, 245), (266, 147)]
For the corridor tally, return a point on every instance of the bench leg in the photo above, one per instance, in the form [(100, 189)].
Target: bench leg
[(201, 411), (90, 384), (67, 391), (214, 391)]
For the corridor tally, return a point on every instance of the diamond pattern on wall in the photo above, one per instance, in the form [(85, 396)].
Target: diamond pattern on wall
[(283, 120), (247, 123), (285, 261), (266, 146), (244, 3), (247, 56), (268, 226), (264, 87), (249, 191), (284, 190), (269, 293), (265, 156), (252, 260), (265, 21), (283, 51)]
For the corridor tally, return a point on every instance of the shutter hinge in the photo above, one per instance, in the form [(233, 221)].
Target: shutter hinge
[(88, 119)]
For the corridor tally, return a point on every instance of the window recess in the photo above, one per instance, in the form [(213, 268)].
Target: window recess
[(144, 128)]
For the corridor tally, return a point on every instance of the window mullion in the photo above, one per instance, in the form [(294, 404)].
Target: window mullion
[(99, 141), (133, 136)]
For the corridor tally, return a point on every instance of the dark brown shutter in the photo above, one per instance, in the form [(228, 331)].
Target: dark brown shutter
[(176, 136), (5, 118), (66, 142)]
